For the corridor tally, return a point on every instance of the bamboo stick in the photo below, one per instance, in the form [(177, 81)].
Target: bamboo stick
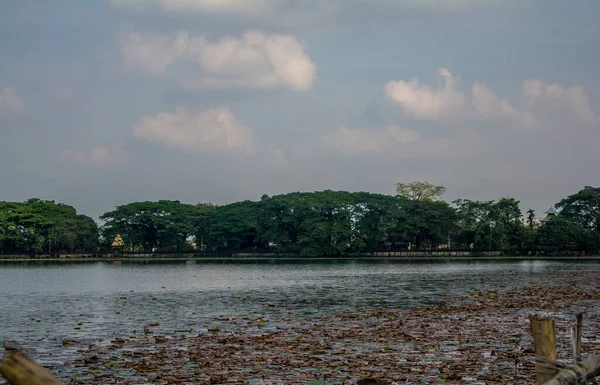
[(578, 335), (18, 369), (574, 343), (544, 338)]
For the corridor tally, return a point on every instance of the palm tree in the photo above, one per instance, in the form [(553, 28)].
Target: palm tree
[(530, 217)]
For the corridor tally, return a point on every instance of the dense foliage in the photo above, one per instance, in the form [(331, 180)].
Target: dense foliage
[(36, 226), (319, 223)]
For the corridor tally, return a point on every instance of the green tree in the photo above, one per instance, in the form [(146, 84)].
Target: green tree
[(36, 226), (420, 190), (232, 227), (204, 212), (530, 218), (558, 235), (429, 222), (583, 208), (377, 218), (280, 219), (489, 225), (163, 225), (327, 228)]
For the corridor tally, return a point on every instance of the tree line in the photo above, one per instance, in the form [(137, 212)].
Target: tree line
[(326, 223), (37, 226)]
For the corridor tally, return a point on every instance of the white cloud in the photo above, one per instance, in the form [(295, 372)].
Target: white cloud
[(98, 156), (361, 141), (257, 60), (184, 6), (152, 53), (571, 99), (425, 103), (487, 106), (448, 103), (253, 60), (11, 101), (213, 131)]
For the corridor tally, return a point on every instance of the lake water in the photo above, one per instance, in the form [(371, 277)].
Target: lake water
[(42, 303)]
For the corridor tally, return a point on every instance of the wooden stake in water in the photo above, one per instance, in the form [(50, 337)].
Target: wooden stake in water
[(18, 369), (580, 373), (576, 335), (544, 338)]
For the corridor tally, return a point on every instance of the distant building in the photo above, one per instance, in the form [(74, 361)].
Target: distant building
[(551, 213), (536, 221), (118, 242)]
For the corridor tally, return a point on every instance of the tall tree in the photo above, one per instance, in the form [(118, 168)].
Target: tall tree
[(36, 226), (205, 211), (163, 225), (489, 225), (328, 227), (530, 218), (583, 208), (280, 219), (558, 236), (232, 227), (429, 222), (420, 190), (376, 221)]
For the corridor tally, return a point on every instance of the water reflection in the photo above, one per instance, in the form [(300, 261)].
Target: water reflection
[(533, 266)]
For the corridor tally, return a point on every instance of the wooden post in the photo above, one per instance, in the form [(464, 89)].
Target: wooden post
[(590, 368), (574, 343), (18, 369), (544, 338), (578, 336)]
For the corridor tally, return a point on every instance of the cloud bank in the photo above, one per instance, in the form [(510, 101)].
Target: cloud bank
[(449, 103), (215, 131), (97, 156), (252, 60)]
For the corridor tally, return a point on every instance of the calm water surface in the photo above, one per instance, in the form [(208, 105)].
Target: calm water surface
[(42, 303)]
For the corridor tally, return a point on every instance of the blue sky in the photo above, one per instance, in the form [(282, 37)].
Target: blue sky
[(110, 101)]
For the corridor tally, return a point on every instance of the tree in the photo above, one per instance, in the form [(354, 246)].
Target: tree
[(163, 225), (232, 227), (558, 235), (328, 226), (323, 223), (489, 225), (508, 229), (86, 234), (37, 225), (376, 221), (202, 223), (530, 218), (280, 218), (428, 222), (10, 237), (420, 190), (583, 208)]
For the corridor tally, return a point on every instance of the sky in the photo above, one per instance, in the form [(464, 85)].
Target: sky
[(106, 102)]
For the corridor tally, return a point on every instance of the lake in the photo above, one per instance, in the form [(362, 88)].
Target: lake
[(43, 303)]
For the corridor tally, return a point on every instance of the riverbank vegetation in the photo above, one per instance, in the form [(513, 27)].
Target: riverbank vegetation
[(36, 226), (326, 223)]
